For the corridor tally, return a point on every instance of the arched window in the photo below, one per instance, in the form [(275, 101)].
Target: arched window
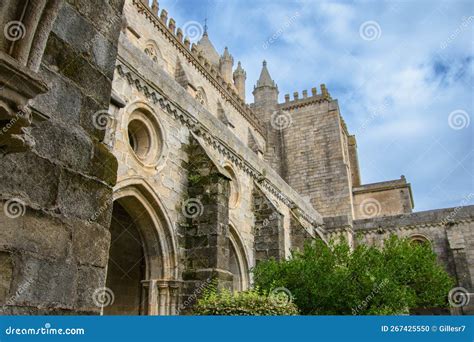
[(145, 136), (234, 197)]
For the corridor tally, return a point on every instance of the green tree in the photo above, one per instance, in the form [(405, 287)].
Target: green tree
[(333, 280)]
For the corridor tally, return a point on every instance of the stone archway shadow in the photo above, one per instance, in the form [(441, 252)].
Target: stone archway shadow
[(144, 213)]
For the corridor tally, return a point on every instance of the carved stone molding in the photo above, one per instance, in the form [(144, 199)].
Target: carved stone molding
[(18, 85)]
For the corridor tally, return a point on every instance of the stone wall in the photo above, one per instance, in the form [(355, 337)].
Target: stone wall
[(206, 230), (56, 240), (382, 199), (268, 229), (314, 155)]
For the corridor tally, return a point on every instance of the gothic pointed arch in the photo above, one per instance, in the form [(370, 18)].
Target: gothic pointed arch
[(238, 259), (162, 242), (142, 272), (153, 52)]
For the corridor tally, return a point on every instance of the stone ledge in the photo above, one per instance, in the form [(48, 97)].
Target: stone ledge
[(436, 217)]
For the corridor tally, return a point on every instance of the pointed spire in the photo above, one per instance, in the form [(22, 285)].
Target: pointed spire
[(226, 53), (239, 80), (208, 49), (239, 70), (265, 78), (205, 27)]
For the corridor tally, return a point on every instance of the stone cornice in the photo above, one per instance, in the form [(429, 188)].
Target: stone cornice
[(178, 113), (192, 55), (391, 227), (383, 186)]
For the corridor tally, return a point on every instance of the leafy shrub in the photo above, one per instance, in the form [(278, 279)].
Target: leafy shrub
[(333, 280), (245, 303)]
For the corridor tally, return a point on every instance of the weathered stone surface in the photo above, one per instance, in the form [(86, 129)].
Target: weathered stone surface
[(44, 283), (6, 272), (89, 280), (83, 198), (90, 243), (29, 174), (65, 177)]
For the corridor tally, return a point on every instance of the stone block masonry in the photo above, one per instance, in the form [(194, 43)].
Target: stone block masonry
[(55, 257)]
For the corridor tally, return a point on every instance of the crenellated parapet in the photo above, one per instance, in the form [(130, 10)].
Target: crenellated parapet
[(306, 99), (196, 58)]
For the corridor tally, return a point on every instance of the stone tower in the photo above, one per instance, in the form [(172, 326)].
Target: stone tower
[(265, 105), (317, 158), (239, 80), (265, 94), (226, 62)]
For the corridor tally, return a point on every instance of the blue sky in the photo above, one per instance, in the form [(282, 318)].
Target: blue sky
[(403, 73)]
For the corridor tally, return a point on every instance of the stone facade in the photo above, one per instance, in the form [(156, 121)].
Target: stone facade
[(134, 173)]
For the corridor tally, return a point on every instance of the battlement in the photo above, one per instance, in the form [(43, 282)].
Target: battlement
[(305, 100), (195, 56)]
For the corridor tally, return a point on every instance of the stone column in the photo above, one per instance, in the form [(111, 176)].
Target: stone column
[(152, 296), (298, 233), (269, 230), (206, 229), (174, 297), (163, 298)]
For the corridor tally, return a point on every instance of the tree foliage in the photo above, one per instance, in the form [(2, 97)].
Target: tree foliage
[(333, 280)]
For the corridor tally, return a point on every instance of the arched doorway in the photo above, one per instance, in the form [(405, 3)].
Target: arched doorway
[(126, 265), (142, 269)]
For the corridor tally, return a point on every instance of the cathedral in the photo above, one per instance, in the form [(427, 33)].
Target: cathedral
[(134, 170)]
